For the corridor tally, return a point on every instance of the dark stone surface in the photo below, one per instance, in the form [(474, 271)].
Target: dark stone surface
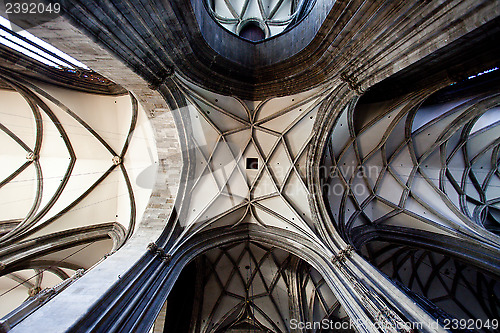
[(365, 41)]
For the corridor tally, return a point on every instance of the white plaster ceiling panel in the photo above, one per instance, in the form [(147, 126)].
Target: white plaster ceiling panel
[(432, 167), (402, 164), (81, 255), (25, 283), (429, 113), (483, 140), (89, 211), (15, 158), (489, 118), (373, 135), (274, 133), (340, 133), (392, 143), (109, 117), (17, 120), (389, 189)]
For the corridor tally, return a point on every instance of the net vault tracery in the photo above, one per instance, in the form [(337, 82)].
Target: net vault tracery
[(61, 196), (413, 183)]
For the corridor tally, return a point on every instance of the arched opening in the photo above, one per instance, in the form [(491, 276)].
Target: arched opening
[(252, 31), (452, 286), (249, 287), (412, 183)]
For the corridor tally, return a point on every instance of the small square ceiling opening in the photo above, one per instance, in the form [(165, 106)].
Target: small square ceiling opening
[(252, 163)]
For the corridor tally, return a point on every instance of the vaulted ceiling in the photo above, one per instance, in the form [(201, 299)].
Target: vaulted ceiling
[(259, 123), (66, 191), (362, 40)]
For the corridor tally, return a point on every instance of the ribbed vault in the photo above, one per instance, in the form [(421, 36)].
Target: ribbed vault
[(270, 17), (66, 192), (247, 286), (247, 161), (413, 183), (455, 287), (226, 134), (432, 167)]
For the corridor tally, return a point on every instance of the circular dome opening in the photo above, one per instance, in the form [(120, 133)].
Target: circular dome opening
[(270, 18), (252, 31)]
